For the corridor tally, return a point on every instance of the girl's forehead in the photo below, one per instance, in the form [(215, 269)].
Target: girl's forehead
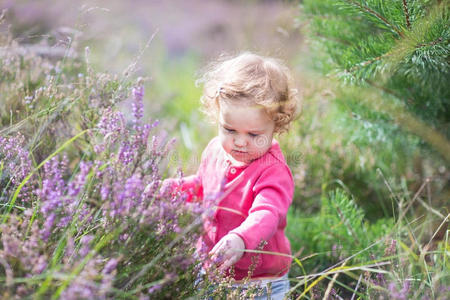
[(239, 104), (230, 109), (254, 116)]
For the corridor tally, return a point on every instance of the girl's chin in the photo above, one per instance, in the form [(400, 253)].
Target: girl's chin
[(242, 157)]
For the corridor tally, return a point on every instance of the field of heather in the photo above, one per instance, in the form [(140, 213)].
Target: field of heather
[(99, 103)]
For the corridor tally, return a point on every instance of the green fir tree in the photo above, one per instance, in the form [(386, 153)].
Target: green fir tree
[(397, 48)]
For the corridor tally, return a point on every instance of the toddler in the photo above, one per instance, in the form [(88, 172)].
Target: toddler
[(243, 174)]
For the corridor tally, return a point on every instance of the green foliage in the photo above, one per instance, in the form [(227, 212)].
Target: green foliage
[(387, 259), (400, 47), (388, 109), (331, 146), (339, 231)]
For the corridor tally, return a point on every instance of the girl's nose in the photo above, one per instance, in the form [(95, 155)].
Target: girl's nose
[(240, 141)]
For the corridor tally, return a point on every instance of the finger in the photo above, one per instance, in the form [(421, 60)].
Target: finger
[(227, 264), (219, 255), (216, 249)]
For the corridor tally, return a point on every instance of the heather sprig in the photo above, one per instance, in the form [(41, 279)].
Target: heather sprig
[(15, 165), (127, 196), (97, 214)]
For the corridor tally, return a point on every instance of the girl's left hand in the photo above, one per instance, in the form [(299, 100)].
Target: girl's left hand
[(229, 249)]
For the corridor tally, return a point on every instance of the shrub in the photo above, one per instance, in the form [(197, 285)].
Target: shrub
[(339, 231), (384, 104), (82, 213), (389, 258)]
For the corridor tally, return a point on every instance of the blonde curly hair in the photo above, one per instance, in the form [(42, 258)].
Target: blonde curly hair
[(251, 79)]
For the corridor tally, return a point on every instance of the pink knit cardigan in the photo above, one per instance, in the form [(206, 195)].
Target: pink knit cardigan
[(251, 201)]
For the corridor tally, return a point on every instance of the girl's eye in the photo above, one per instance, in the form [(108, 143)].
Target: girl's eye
[(229, 130), (253, 134)]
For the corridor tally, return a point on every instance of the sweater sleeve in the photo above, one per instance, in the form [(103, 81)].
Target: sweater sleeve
[(273, 195), (190, 185)]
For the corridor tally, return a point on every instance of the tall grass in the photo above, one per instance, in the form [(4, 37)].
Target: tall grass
[(346, 257), (82, 213)]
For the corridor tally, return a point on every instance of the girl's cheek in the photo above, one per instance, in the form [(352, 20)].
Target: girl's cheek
[(224, 141)]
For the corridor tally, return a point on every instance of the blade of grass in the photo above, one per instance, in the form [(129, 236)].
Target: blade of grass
[(315, 282), (57, 254), (366, 282), (331, 283), (356, 288)]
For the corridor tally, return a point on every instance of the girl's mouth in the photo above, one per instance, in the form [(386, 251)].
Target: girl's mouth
[(239, 152)]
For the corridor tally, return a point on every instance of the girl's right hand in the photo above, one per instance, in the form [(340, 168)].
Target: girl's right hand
[(229, 249), (166, 186)]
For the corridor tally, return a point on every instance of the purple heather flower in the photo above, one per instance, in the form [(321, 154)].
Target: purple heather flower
[(126, 153), (78, 290), (10, 244), (399, 295), (333, 293), (64, 221), (48, 225), (40, 266), (391, 249), (124, 236), (104, 192), (85, 240), (405, 288), (111, 125), (76, 185), (334, 249), (22, 291), (99, 148), (138, 104), (110, 266), (83, 213), (154, 288), (16, 164), (128, 197), (53, 185), (380, 279)]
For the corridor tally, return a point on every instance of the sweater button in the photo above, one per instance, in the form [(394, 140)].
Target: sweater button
[(233, 171), (214, 229)]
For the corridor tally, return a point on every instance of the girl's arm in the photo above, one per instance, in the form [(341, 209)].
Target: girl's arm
[(191, 185), (274, 191)]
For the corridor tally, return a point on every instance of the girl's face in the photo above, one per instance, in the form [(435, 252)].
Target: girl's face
[(245, 132)]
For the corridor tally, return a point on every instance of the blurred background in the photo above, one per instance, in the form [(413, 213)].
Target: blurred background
[(169, 41)]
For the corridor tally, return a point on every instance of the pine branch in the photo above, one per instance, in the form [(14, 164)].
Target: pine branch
[(375, 14), (432, 43), (405, 9), (363, 64)]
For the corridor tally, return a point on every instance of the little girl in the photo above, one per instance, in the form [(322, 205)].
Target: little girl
[(243, 175)]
